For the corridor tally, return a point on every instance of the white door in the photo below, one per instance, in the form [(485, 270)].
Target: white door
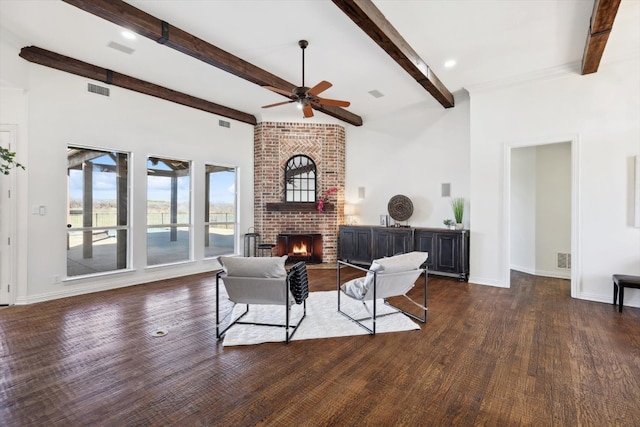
[(7, 223)]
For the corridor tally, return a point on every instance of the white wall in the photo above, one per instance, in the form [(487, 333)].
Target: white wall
[(602, 112), (60, 111), (523, 209), (553, 207), (411, 153), (13, 71)]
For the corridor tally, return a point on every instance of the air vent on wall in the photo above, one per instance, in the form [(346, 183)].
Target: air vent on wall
[(224, 123), (100, 90), (563, 260)]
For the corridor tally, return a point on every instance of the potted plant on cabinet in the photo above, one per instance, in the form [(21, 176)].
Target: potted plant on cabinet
[(449, 224), (457, 205)]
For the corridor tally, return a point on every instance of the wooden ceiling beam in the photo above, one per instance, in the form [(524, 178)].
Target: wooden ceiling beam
[(74, 66), (127, 16), (604, 14), (371, 20)]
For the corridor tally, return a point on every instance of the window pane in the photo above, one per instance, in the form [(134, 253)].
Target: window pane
[(300, 179), (97, 214), (168, 210), (104, 253), (167, 244), (220, 211)]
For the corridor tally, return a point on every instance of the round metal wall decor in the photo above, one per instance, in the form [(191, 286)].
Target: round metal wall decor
[(400, 207)]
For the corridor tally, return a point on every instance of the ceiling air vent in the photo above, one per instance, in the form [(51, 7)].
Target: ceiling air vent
[(376, 93), (100, 90), (224, 123), (563, 261), (122, 48)]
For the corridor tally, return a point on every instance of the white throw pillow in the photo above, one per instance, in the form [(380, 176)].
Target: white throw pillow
[(268, 267), (355, 288)]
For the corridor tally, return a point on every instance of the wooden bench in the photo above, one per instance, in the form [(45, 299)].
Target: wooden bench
[(621, 281)]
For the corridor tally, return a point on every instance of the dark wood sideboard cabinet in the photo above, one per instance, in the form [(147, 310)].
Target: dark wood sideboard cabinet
[(448, 249)]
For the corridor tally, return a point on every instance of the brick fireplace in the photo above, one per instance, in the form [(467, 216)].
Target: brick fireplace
[(274, 144)]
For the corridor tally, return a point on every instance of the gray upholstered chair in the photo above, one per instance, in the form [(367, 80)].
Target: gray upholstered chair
[(385, 278), (262, 281)]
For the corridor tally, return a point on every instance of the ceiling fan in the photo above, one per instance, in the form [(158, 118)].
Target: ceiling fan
[(305, 97)]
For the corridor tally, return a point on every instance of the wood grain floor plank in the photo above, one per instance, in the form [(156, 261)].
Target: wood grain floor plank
[(528, 355)]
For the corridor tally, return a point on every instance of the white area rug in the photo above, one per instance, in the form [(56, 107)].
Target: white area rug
[(322, 321)]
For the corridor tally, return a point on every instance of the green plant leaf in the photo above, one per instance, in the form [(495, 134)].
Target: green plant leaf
[(8, 161), (457, 205)]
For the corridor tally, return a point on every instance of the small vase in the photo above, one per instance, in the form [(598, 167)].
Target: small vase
[(459, 226)]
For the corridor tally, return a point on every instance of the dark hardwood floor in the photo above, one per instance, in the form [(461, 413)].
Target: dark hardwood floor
[(529, 355)]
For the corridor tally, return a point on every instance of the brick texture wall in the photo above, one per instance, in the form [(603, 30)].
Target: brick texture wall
[(274, 144)]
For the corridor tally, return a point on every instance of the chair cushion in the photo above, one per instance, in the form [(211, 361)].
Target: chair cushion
[(357, 288), (396, 263), (267, 267), (402, 262)]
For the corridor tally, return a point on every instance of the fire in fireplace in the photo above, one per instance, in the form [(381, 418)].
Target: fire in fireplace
[(300, 250), (301, 247)]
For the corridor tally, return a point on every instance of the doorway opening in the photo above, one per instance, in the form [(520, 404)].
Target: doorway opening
[(540, 210), (8, 257)]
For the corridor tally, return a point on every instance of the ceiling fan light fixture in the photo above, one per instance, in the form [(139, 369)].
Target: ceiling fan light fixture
[(306, 98)]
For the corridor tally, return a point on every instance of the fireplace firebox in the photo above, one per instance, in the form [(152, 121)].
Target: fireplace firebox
[(301, 247)]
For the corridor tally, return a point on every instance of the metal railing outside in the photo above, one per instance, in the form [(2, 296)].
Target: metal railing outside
[(108, 219)]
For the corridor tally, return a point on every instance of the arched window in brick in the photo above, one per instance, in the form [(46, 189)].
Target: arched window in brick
[(300, 179)]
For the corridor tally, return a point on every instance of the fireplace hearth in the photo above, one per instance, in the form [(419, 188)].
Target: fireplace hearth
[(301, 247)]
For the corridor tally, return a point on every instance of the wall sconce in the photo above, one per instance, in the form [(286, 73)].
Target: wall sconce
[(349, 213)]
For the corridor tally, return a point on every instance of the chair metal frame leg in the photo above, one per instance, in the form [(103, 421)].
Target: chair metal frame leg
[(358, 322), (374, 316), (238, 321)]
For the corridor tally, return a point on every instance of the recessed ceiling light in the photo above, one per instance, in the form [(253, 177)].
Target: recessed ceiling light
[(128, 35), (450, 63)]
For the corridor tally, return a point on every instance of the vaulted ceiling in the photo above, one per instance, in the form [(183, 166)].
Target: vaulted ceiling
[(493, 42)]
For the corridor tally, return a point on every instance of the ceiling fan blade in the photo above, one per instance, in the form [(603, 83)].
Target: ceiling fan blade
[(278, 90), (308, 111), (277, 103), (320, 87), (334, 102)]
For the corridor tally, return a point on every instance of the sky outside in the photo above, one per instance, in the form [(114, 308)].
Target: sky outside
[(222, 188)]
